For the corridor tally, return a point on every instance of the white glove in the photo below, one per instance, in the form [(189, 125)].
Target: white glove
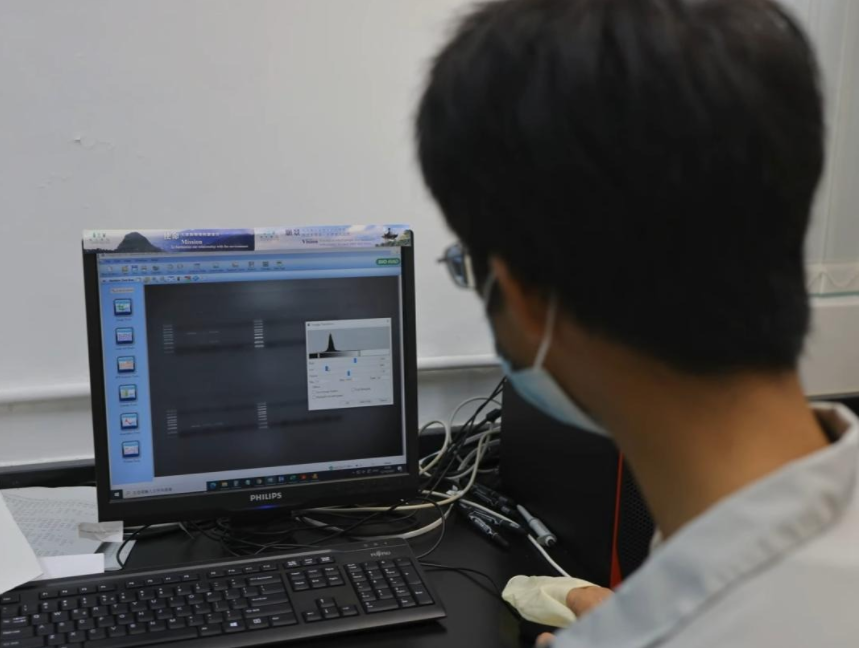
[(541, 599)]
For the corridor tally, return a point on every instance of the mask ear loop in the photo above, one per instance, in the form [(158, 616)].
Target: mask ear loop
[(487, 289), (544, 347)]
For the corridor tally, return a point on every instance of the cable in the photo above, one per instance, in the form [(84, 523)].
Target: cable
[(467, 572), (438, 542), (547, 557), (446, 442), (132, 536)]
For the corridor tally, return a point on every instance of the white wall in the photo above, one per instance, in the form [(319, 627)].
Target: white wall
[(182, 113)]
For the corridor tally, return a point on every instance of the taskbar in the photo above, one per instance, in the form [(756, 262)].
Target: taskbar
[(289, 479)]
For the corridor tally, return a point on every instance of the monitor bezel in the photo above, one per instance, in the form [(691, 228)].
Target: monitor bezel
[(387, 489)]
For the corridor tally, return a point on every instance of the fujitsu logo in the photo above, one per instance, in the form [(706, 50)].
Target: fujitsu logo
[(265, 497), (380, 554)]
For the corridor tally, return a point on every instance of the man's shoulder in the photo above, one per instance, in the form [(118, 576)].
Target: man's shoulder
[(807, 597)]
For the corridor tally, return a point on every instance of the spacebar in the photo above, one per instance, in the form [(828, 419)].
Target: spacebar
[(145, 639)]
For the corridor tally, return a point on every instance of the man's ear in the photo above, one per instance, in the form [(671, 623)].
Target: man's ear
[(523, 307)]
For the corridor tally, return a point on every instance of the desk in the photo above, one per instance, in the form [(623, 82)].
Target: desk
[(475, 618)]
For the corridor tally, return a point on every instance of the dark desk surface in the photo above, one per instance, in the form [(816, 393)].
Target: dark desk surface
[(475, 618)]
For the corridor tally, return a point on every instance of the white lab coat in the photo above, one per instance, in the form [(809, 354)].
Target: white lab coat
[(773, 565)]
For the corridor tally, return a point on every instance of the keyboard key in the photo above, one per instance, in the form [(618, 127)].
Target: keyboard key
[(307, 562), (349, 610), (263, 579), (287, 618), (272, 589), (325, 560), (13, 622), (216, 573), (45, 629), (214, 617), (251, 569), (234, 626), (292, 564), (190, 578), (406, 601), (421, 596), (32, 642), (175, 623), (312, 616), (117, 631), (268, 567), (96, 634), (334, 581), (254, 612), (403, 562), (272, 599), (411, 577), (6, 599), (367, 596), (210, 630), (110, 587), (233, 615), (380, 606), (317, 583), (196, 620), (300, 586), (55, 639), (136, 628), (76, 636), (16, 633), (258, 623), (156, 626), (325, 602), (331, 613)]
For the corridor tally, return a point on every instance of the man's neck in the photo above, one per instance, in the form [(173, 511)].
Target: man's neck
[(691, 441)]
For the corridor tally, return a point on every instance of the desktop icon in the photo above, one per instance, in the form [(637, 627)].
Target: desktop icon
[(129, 421), (126, 364), (259, 481), (213, 485), (131, 449), (125, 335), (248, 482), (225, 484), (270, 480), (281, 479), (122, 307), (128, 392)]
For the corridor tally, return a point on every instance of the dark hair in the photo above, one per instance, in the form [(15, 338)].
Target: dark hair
[(651, 161)]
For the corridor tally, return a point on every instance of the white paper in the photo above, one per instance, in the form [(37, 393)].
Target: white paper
[(63, 566), (49, 518), (101, 531), (18, 563), (110, 553)]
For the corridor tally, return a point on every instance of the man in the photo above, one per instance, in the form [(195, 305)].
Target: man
[(631, 182)]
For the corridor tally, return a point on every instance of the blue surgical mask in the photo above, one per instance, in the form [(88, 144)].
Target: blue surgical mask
[(538, 387)]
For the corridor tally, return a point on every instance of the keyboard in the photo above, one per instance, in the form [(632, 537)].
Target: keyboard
[(234, 602)]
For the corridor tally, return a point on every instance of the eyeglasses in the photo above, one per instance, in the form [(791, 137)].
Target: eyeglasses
[(459, 264)]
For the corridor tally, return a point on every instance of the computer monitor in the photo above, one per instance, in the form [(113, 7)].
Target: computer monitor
[(237, 370)]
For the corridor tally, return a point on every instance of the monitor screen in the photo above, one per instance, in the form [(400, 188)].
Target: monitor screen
[(229, 371)]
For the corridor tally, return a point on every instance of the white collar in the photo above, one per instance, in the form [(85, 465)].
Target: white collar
[(727, 544)]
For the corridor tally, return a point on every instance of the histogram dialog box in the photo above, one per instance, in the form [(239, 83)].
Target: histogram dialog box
[(349, 363)]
